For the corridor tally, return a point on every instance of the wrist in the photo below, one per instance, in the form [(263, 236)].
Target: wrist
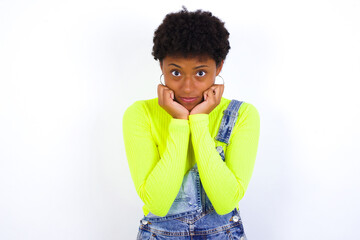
[(181, 117)]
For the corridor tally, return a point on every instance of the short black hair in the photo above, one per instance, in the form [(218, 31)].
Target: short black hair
[(190, 34)]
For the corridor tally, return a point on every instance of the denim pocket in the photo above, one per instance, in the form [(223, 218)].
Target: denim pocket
[(237, 232), (145, 235)]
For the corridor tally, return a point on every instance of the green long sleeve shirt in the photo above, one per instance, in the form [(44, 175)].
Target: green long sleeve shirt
[(161, 149)]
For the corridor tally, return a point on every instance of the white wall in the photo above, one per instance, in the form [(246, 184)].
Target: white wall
[(69, 69)]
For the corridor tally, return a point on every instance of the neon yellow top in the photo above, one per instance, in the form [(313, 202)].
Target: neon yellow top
[(159, 153)]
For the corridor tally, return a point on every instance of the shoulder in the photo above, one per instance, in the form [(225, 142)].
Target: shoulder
[(139, 109), (248, 117), (247, 113), (247, 109)]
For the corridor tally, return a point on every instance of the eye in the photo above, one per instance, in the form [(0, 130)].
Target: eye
[(200, 73), (175, 73)]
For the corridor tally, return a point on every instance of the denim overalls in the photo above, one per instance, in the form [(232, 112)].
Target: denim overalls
[(192, 215)]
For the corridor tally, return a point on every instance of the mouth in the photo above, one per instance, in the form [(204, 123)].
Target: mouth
[(189, 100)]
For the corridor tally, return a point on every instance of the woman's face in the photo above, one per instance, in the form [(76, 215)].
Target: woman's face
[(189, 77)]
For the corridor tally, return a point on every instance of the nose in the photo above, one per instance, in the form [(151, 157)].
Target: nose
[(188, 84)]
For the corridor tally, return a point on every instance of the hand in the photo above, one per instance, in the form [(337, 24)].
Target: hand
[(166, 101), (212, 98)]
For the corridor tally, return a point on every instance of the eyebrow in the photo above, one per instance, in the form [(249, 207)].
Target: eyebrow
[(193, 68)]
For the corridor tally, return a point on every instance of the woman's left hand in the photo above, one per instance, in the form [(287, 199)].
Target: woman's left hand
[(212, 98)]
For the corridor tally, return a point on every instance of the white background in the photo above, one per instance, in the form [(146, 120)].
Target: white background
[(69, 69)]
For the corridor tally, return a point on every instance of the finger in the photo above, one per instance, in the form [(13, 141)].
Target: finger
[(220, 89), (206, 94), (222, 92), (169, 94), (210, 95), (159, 92), (217, 94), (164, 93), (209, 91), (216, 89)]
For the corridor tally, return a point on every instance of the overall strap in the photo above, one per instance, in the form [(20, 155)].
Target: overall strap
[(228, 121)]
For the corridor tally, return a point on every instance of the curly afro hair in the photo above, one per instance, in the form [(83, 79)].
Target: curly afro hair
[(187, 33)]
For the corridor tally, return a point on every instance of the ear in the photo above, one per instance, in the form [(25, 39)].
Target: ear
[(218, 69), (160, 62)]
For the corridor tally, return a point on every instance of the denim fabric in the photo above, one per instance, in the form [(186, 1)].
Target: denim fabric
[(228, 121), (192, 216), (205, 225)]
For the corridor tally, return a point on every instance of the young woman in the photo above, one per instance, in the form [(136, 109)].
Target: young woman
[(191, 152)]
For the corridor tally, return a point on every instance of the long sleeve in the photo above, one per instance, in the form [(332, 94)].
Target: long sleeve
[(225, 183), (157, 179)]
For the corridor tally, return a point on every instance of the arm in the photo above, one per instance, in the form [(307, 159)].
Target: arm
[(225, 183), (157, 179)]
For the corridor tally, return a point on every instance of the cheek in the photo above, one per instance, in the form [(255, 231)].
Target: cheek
[(171, 85), (206, 86), (198, 87)]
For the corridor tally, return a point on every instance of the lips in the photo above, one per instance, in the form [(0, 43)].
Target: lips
[(188, 99)]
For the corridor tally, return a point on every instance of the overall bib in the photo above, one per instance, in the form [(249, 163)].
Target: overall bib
[(192, 216)]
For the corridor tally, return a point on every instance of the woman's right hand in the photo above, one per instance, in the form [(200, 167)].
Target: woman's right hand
[(166, 101)]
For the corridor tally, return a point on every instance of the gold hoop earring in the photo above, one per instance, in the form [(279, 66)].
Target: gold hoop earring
[(160, 79), (216, 78)]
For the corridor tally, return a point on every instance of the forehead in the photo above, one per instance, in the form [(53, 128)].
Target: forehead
[(189, 60)]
